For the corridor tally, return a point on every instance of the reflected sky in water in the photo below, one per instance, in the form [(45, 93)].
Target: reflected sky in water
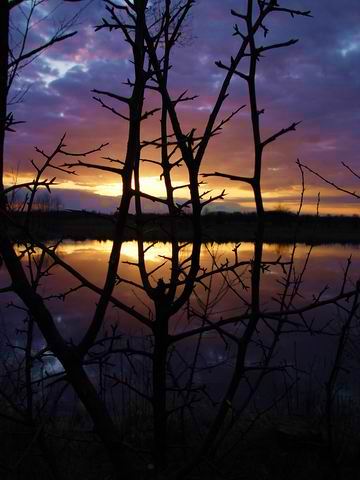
[(90, 258)]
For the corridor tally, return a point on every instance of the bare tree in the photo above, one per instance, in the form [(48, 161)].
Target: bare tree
[(20, 284), (353, 173), (170, 289)]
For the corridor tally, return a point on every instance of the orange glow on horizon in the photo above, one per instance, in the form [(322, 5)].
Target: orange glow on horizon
[(236, 198)]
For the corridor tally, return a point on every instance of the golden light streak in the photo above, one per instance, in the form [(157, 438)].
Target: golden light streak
[(241, 198)]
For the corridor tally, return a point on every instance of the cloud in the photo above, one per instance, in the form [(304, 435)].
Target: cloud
[(315, 81)]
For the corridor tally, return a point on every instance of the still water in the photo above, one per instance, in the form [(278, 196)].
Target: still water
[(325, 268), (221, 296)]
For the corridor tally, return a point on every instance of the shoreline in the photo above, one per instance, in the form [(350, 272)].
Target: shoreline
[(280, 227)]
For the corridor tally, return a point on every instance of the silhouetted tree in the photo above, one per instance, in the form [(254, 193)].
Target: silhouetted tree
[(152, 30)]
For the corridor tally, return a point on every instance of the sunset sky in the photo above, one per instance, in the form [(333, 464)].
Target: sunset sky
[(317, 81)]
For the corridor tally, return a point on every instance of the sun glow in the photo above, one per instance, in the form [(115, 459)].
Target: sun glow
[(236, 198), (150, 185)]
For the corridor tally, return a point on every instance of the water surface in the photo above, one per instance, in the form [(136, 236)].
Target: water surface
[(222, 296)]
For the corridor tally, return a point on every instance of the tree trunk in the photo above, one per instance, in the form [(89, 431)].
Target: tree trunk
[(159, 392)]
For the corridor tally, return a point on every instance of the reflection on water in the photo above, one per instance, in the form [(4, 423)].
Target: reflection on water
[(90, 258), (73, 312)]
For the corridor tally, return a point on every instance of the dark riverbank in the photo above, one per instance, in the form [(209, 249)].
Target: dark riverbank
[(280, 227)]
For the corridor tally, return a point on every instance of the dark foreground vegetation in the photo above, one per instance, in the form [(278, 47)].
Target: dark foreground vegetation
[(277, 447), (280, 227)]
